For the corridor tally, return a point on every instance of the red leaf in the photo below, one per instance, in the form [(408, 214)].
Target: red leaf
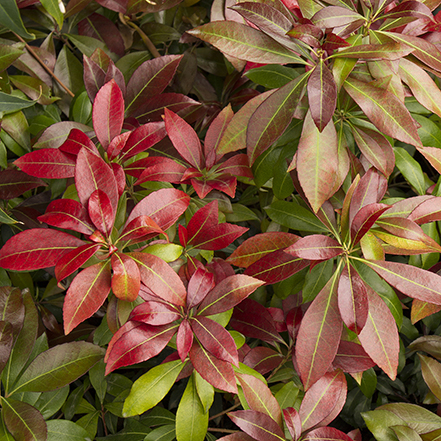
[(68, 214), (218, 373), (101, 211), (228, 293), (154, 313), (236, 165), (215, 339), (293, 422), (108, 113), (14, 183), (120, 177), (160, 278), (260, 398), (326, 433), (379, 336), (253, 320), (184, 339), (138, 344), (262, 359), (157, 168), (86, 294), (276, 266), (319, 335), (260, 245), (139, 229), (323, 401), (126, 279), (45, 163), (427, 211), (71, 261), (150, 79), (92, 173), (258, 425), (365, 219), (76, 141), (322, 95), (142, 139), (117, 144), (184, 139), (35, 249), (352, 299), (315, 247), (352, 358), (199, 285), (163, 206)]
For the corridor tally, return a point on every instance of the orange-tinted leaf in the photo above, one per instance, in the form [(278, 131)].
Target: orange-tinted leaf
[(422, 309), (126, 279)]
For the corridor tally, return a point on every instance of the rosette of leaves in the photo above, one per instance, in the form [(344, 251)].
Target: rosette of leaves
[(354, 66), (352, 299)]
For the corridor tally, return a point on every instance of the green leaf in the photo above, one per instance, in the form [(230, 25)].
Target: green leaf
[(205, 391), (6, 219), (51, 402), (287, 395), (87, 45), (163, 433), (65, 430), (405, 433), (10, 19), (9, 53), (98, 379), (431, 370), (59, 366), (12, 103), (430, 132), (410, 169), (149, 389), (294, 216), (53, 8), (379, 422), (272, 76), (191, 420)]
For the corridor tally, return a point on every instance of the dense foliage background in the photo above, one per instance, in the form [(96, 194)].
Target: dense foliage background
[(220, 220)]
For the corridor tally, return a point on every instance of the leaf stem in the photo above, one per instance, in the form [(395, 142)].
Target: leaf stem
[(224, 412), (49, 71), (150, 46), (214, 429)]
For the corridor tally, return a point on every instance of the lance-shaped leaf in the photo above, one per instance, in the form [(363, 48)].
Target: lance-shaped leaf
[(421, 310), (217, 372), (317, 162), (68, 214), (428, 210), (433, 155), (59, 366), (184, 339), (6, 340), (379, 337), (156, 168), (73, 260), (387, 51), (322, 95), (150, 79), (365, 219), (405, 433), (431, 370), (428, 343), (260, 245), (91, 174), (376, 148), (184, 139), (36, 248), (370, 190), (76, 141), (86, 294), (352, 299), (319, 335), (215, 339), (108, 113), (253, 320), (243, 42), (142, 138), (259, 397), (293, 422), (14, 183), (352, 358), (335, 16), (139, 229), (101, 212), (262, 359), (423, 88), (199, 285), (160, 278), (327, 433), (138, 344), (258, 425), (273, 116), (163, 206), (315, 247), (46, 163), (154, 313), (149, 389), (228, 293), (126, 278), (385, 110), (412, 281), (323, 400), (24, 421)]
